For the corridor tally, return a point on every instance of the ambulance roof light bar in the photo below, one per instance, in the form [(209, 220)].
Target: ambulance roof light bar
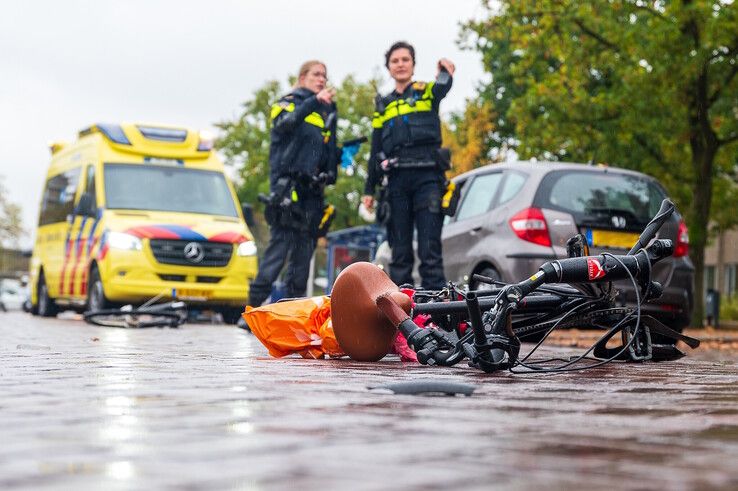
[(207, 141), (113, 132)]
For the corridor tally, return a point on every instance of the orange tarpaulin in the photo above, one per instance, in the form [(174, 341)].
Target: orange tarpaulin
[(298, 326)]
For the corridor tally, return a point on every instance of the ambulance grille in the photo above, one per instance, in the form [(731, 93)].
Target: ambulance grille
[(214, 254)]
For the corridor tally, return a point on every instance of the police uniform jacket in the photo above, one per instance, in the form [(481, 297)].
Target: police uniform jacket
[(406, 126), (303, 138)]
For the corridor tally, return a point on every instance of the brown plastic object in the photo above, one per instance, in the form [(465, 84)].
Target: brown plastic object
[(391, 310), (362, 331)]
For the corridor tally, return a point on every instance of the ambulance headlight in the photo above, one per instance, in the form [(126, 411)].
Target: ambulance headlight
[(127, 242), (247, 248)]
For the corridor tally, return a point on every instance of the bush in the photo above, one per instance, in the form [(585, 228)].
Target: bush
[(729, 307)]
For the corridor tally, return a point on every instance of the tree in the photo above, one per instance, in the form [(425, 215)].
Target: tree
[(244, 143), (648, 85), (468, 135), (11, 228)]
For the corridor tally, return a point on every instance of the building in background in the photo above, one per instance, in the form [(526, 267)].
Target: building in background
[(721, 263), (13, 263)]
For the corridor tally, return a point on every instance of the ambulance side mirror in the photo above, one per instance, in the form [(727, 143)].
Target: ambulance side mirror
[(86, 206), (248, 214)]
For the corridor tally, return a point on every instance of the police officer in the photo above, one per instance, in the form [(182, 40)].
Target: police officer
[(406, 161), (302, 159)]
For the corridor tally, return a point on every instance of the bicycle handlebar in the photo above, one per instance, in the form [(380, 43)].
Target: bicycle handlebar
[(606, 267)]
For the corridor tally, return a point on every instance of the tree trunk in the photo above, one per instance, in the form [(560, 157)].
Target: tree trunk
[(704, 145), (719, 263), (703, 157)]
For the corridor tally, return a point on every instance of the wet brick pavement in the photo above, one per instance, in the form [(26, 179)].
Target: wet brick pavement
[(204, 407)]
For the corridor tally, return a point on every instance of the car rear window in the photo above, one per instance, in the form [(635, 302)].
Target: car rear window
[(591, 196)]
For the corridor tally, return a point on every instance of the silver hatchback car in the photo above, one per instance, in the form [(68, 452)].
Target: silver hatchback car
[(513, 217)]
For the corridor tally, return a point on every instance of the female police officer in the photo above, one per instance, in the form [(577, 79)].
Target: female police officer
[(302, 160), (406, 161)]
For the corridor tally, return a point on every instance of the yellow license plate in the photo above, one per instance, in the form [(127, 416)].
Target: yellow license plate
[(192, 294), (612, 238)]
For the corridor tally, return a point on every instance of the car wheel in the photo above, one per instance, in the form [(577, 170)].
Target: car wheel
[(46, 306), (95, 294), (489, 272)]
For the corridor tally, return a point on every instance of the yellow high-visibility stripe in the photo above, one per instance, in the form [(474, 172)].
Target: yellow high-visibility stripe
[(327, 213), (400, 107), (278, 108), (314, 118), (395, 110)]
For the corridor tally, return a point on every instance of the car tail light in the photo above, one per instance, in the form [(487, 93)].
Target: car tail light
[(530, 225), (682, 242)]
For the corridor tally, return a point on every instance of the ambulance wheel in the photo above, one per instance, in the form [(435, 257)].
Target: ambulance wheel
[(231, 315), (46, 306), (95, 294)]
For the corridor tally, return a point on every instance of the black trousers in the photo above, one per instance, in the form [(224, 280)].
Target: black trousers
[(292, 246), (414, 196)]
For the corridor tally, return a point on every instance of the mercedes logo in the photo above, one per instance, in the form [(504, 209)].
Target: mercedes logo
[(194, 252), (618, 221)]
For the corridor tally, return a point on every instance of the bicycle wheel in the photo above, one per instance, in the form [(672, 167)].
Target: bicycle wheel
[(133, 319)]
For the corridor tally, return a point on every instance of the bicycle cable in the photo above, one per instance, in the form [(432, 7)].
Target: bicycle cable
[(566, 367)]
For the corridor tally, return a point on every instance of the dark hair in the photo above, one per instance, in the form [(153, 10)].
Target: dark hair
[(396, 46)]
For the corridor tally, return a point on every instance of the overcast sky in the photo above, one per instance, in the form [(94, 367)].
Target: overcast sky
[(67, 64)]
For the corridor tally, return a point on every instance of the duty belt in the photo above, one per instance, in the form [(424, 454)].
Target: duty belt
[(397, 163)]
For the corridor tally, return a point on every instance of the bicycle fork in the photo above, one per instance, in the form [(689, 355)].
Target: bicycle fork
[(495, 345)]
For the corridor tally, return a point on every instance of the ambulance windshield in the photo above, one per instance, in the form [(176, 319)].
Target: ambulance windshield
[(167, 188)]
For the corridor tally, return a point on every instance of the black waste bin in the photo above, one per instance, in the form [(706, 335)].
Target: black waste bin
[(350, 245), (712, 307)]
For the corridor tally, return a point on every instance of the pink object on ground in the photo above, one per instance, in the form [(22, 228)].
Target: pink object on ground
[(399, 345)]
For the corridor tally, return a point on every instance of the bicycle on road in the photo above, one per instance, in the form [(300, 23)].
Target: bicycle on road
[(486, 326), (168, 314)]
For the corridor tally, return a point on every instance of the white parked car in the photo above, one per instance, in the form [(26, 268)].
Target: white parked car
[(12, 294)]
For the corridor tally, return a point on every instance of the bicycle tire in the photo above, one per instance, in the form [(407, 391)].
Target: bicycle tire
[(133, 319)]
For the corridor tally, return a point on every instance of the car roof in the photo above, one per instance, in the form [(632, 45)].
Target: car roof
[(539, 168)]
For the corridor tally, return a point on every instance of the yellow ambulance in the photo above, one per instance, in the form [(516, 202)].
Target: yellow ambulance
[(134, 211)]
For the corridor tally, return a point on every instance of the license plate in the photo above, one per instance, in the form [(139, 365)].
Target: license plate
[(192, 294), (610, 238)]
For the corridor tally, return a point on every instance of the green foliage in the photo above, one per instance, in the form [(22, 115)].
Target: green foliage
[(11, 228), (467, 135), (355, 102), (729, 308), (244, 143), (647, 85)]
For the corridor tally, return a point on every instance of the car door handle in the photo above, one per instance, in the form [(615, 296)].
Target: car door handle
[(475, 230)]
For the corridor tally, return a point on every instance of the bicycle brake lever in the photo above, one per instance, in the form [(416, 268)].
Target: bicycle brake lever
[(432, 346)]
